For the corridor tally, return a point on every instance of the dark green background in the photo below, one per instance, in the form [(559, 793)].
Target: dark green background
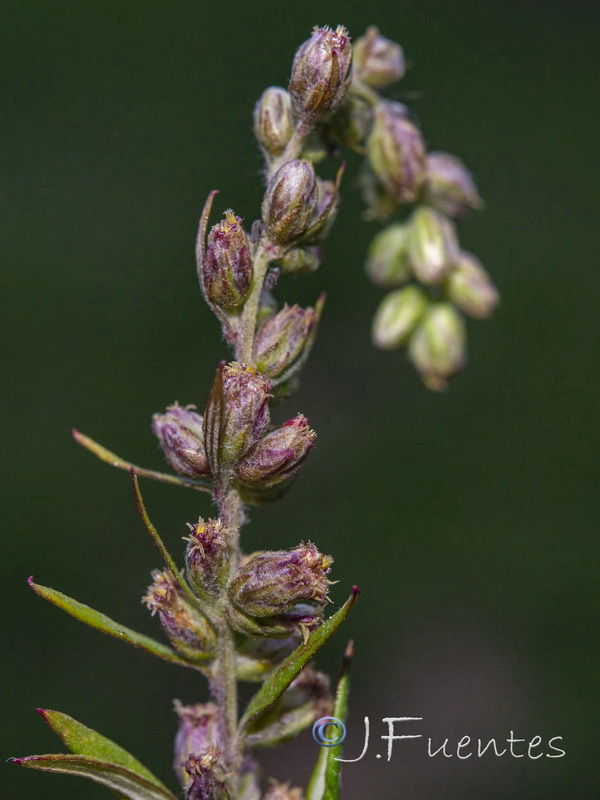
[(468, 518)]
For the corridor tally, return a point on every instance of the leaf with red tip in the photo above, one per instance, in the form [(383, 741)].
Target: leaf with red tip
[(114, 776), (85, 741), (280, 679), (99, 621)]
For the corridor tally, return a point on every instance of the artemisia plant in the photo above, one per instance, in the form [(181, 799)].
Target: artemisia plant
[(262, 617)]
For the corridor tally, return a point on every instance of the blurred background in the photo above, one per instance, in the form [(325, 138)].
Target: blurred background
[(467, 518)]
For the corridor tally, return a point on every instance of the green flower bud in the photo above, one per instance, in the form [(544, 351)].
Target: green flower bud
[(290, 201), (307, 699), (396, 152), (301, 260), (237, 414), (197, 732), (227, 271), (277, 456), (282, 341), (449, 186), (321, 72), (207, 558), (274, 120), (387, 264), (273, 583), (432, 245), (470, 287), (437, 347), (188, 630), (378, 61), (180, 435), (207, 780), (397, 317)]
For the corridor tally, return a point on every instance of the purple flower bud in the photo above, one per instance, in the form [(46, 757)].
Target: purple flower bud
[(432, 245), (283, 791), (273, 583), (470, 287), (207, 558), (237, 414), (197, 732), (396, 152), (207, 779), (307, 699), (449, 186), (378, 61), (227, 271), (277, 456), (283, 339), (179, 432), (321, 72), (274, 120), (301, 260), (437, 347), (188, 631), (290, 201)]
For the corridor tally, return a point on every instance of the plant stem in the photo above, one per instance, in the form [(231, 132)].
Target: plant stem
[(231, 510)]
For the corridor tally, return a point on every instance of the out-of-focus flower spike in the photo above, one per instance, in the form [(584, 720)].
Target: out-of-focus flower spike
[(470, 287), (432, 245), (397, 317), (449, 186)]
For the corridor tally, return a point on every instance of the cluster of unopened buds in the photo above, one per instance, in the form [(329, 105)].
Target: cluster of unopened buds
[(260, 617)]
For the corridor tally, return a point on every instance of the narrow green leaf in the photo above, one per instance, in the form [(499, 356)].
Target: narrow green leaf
[(105, 624), (114, 776), (167, 557), (121, 463), (325, 780), (276, 684), (84, 741)]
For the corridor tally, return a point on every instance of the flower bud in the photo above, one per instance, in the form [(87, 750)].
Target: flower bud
[(197, 732), (377, 60), (273, 583), (449, 186), (188, 631), (349, 125), (396, 152), (397, 317), (207, 779), (321, 72), (181, 437), (227, 271), (290, 201), (237, 414), (283, 791), (470, 287), (207, 558), (301, 260), (277, 456), (274, 120), (387, 264), (437, 347), (282, 341), (432, 245), (305, 700)]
